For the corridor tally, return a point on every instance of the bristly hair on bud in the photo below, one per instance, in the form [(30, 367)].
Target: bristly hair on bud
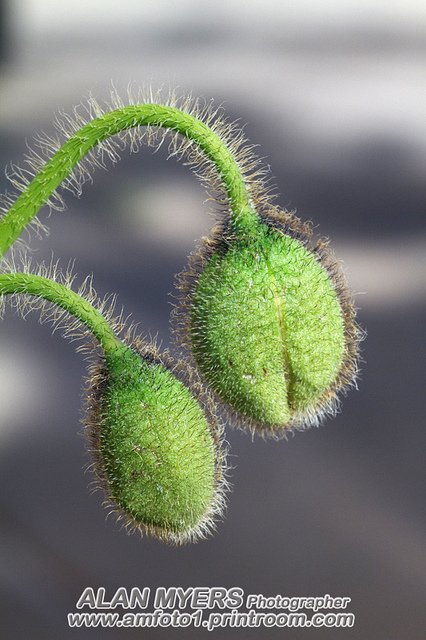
[(156, 445), (266, 315)]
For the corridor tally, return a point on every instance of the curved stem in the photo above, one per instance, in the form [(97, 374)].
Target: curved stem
[(39, 287), (26, 207)]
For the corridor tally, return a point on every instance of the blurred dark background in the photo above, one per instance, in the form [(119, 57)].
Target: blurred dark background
[(334, 94)]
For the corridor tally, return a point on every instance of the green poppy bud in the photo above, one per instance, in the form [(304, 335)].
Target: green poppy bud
[(270, 323), (157, 457)]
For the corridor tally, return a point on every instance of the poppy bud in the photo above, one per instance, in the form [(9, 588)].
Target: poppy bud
[(157, 457), (270, 322)]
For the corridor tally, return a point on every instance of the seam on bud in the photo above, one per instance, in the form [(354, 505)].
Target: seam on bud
[(287, 367)]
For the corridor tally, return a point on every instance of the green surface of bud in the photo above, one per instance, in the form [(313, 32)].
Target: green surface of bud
[(156, 454), (266, 327)]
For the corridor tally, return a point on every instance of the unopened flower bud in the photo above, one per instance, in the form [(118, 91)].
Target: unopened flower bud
[(270, 323), (157, 457)]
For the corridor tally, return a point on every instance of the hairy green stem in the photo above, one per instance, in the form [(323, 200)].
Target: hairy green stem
[(65, 298), (36, 194)]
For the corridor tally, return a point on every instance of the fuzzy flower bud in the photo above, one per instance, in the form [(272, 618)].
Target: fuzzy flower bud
[(270, 323), (157, 457)]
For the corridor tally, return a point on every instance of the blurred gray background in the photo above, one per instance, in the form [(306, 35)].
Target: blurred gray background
[(334, 94)]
